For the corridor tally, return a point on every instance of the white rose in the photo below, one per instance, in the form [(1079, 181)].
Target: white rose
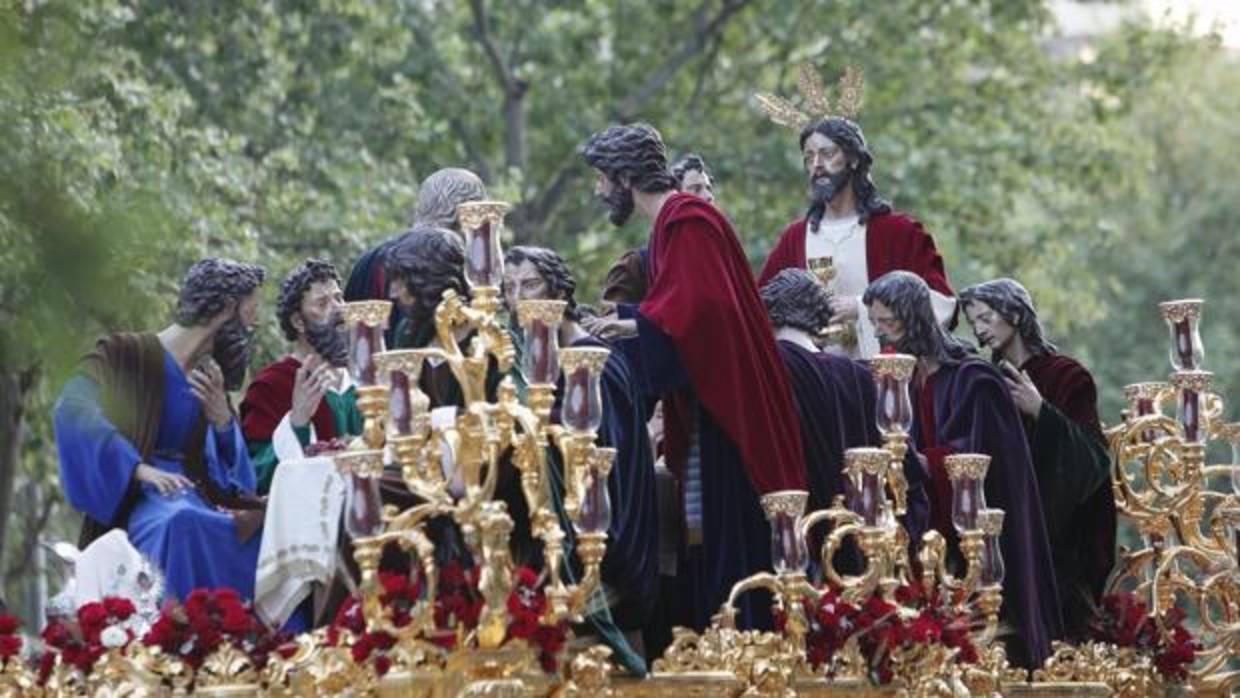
[(113, 637)]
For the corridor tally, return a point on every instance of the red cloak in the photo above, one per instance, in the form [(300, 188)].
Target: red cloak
[(270, 397), (893, 241), (702, 295)]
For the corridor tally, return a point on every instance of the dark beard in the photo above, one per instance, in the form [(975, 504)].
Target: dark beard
[(329, 340), (822, 190), (620, 205), (231, 351)]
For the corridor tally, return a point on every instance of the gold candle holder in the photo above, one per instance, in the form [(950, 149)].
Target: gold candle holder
[(540, 322), (1183, 319), (967, 472), (892, 375)]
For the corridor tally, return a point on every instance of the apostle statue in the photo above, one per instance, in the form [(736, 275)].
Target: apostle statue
[(1058, 402), (962, 404)]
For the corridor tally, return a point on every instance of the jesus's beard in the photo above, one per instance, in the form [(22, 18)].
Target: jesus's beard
[(329, 340), (823, 188), (231, 351)]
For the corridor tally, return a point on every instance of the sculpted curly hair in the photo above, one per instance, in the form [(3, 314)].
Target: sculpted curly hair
[(1013, 303), (689, 162), (554, 272), (442, 192), (632, 155), (428, 261), (796, 298), (293, 290), (908, 297), (210, 285)]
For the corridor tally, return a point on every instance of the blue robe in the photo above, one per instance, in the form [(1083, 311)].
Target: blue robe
[(194, 545)]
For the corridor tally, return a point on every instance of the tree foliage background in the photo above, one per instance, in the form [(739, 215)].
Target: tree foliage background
[(136, 137)]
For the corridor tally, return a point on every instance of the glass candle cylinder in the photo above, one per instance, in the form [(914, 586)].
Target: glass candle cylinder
[(1145, 399), (1191, 388), (582, 411), (991, 523), (784, 509), (867, 468), (1183, 318), (364, 510), (892, 373), (967, 472), (540, 322), (1231, 432), (595, 513), (366, 322), (400, 371), (482, 222)]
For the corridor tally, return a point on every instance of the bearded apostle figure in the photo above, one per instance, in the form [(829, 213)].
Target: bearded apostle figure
[(306, 396), (1058, 403), (850, 235), (701, 341), (148, 441)]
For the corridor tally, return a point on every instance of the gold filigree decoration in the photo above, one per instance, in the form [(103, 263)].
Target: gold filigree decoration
[(367, 463), (546, 312), (473, 214), (1181, 310), (1197, 381), (871, 461), (407, 361), (970, 465), (789, 502), (1129, 673), (591, 358), (815, 98), (369, 313), (897, 366)]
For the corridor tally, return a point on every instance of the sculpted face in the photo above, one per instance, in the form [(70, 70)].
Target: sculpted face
[(617, 197), (888, 327), (526, 284), (698, 183), (989, 326)]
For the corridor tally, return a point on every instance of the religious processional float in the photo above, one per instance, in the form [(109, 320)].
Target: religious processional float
[(487, 627)]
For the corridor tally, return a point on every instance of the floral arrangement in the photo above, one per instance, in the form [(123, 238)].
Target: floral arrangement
[(879, 629), (207, 620), (458, 607), (1124, 620), (79, 641)]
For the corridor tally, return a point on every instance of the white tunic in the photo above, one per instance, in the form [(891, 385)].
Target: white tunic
[(842, 240)]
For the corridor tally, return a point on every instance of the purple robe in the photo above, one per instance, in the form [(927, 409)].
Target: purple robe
[(973, 413), (837, 404)]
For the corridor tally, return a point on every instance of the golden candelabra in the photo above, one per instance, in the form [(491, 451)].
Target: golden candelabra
[(1187, 522)]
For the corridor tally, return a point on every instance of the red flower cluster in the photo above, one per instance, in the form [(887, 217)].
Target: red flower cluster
[(879, 629), (10, 641), (1125, 620), (458, 606), (526, 605), (207, 620), (80, 643)]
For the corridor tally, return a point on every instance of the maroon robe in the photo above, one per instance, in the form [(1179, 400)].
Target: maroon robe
[(703, 297), (270, 396), (893, 241), (1071, 459)]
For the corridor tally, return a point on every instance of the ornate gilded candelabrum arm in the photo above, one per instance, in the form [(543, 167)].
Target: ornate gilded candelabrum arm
[(495, 581), (993, 571), (591, 524)]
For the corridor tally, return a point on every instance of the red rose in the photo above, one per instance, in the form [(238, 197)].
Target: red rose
[(57, 635), (92, 618), (10, 646), (9, 625), (361, 649), (118, 608), (382, 665), (527, 577), (46, 663), (236, 621), (924, 630), (393, 584)]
